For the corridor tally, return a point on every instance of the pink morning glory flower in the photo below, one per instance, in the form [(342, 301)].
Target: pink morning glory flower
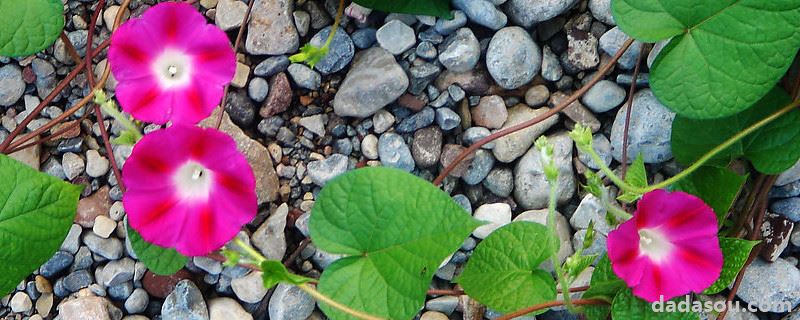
[(189, 188), (171, 65), (669, 247)]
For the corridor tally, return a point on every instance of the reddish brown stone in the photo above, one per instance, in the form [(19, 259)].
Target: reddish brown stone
[(412, 102), (160, 286), (474, 82), (92, 206), (28, 75), (449, 154), (279, 97), (490, 113)]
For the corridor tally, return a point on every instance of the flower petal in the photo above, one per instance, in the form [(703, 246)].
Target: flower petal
[(172, 24), (195, 102), (212, 50), (144, 100)]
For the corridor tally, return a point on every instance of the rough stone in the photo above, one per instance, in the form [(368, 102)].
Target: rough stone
[(271, 30), (374, 80)]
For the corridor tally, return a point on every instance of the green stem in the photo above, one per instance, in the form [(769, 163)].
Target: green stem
[(254, 255), (325, 299), (109, 107), (618, 213), (551, 221), (337, 20)]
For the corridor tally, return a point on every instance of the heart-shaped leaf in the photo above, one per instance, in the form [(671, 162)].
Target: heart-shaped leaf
[(604, 285), (439, 8), (503, 272), (735, 253), (772, 149), (29, 26), (635, 177), (394, 229), (724, 55), (718, 187), (159, 260), (36, 213)]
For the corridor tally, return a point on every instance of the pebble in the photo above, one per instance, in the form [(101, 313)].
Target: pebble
[(768, 286), (512, 58), (590, 209), (789, 208), (73, 165), (315, 124), (427, 146), (482, 12), (500, 182), (602, 147), (104, 226), (304, 77), (446, 27), (374, 80), (396, 37), (72, 241), (96, 165), (11, 85), (417, 121), (340, 52), (289, 303), (449, 154), (393, 152), (211, 266), (185, 302), (531, 187), (512, 146), (496, 214), (537, 95), (75, 281), (790, 175), (479, 168), (227, 309), (551, 67), (92, 206), (581, 50), (89, 307), (447, 119), (258, 89), (230, 14), (650, 129), (110, 248), (272, 66), (490, 113), (426, 50), (137, 301), (789, 190), (249, 288), (443, 304), (601, 10), (612, 41), (461, 51), (369, 147), (433, 315), (279, 97), (382, 121), (46, 77), (59, 262), (529, 12), (20, 303), (475, 134), (322, 171), (604, 96), (271, 30), (270, 238), (364, 38)]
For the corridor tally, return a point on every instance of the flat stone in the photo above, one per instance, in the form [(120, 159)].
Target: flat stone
[(340, 52), (449, 154), (289, 303), (322, 171), (490, 113), (769, 286), (249, 288), (269, 238), (529, 12), (496, 214), (374, 80), (482, 12), (271, 30), (227, 309), (95, 308), (604, 96), (512, 146), (394, 152), (279, 97), (650, 129), (611, 42), (396, 37), (96, 165)]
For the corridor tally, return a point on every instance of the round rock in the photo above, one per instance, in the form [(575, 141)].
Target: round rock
[(340, 52), (461, 51), (650, 129), (11, 85), (513, 59)]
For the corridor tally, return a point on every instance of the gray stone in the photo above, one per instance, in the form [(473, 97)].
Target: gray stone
[(602, 146), (137, 301), (185, 302), (789, 208), (650, 129), (427, 51), (612, 41), (446, 27), (604, 96), (790, 175), (77, 280), (482, 12), (475, 134), (396, 37), (322, 171), (512, 58), (374, 80), (88, 307), (769, 286), (257, 89), (230, 14), (369, 147), (443, 304), (590, 209), (461, 51), (551, 67), (59, 262), (227, 309), (495, 214), (116, 272), (11, 85), (249, 288), (789, 190), (364, 38), (512, 146), (490, 112), (421, 75), (211, 266), (500, 181), (597, 247), (72, 241), (394, 152), (304, 77), (537, 95), (96, 165), (427, 146), (271, 29), (340, 52), (417, 121), (20, 303), (447, 119), (272, 66), (269, 238), (46, 77), (315, 124), (531, 187), (290, 303), (479, 168), (601, 10), (73, 165), (562, 231), (302, 20), (110, 248), (529, 12)]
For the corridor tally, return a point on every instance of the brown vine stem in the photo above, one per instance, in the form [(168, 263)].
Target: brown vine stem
[(502, 133), (236, 44), (549, 304), (73, 53), (629, 106), (52, 135), (303, 244)]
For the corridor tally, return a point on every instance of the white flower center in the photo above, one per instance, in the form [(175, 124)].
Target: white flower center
[(172, 69), (654, 244), (193, 180)]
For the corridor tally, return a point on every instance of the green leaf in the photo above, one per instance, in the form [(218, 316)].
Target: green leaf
[(627, 306), (439, 8), (394, 229), (718, 187), (735, 253), (772, 149), (503, 272), (126, 137), (635, 177), (309, 54), (159, 260), (29, 26), (576, 263), (604, 285), (36, 213), (724, 55), (275, 272)]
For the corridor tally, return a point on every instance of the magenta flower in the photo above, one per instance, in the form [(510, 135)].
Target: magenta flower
[(171, 65), (669, 247), (189, 188)]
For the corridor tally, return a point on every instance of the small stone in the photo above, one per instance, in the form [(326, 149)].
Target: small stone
[(227, 309), (89, 307), (75, 281), (72, 241), (272, 66), (382, 121), (443, 304), (537, 95), (611, 42), (496, 214), (513, 59), (20, 303), (11, 85), (447, 119), (427, 146), (590, 209), (241, 75), (393, 152), (562, 230), (449, 154), (531, 186), (73, 165), (474, 82), (104, 226), (575, 112), (340, 52), (770, 286), (213, 267), (161, 286), (602, 146), (45, 303), (529, 12), (315, 124), (137, 301), (249, 288), (475, 134), (551, 67), (491, 112), (92, 206), (271, 30), (775, 232), (482, 12), (364, 38), (604, 96), (374, 80), (279, 97), (369, 147), (417, 121), (601, 10), (289, 303), (96, 165), (650, 129), (322, 171), (59, 262), (461, 51), (500, 181), (479, 168), (185, 302), (304, 77), (433, 315), (269, 238), (396, 37), (230, 14), (512, 146), (446, 27), (110, 248), (581, 50), (258, 89), (303, 22)]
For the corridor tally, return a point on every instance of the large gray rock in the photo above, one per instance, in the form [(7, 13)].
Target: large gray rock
[(461, 51), (612, 41), (512, 146), (290, 303), (531, 187), (339, 54), (513, 59), (185, 302), (375, 80), (482, 12), (271, 30), (769, 286), (269, 238), (11, 85), (528, 12), (650, 129)]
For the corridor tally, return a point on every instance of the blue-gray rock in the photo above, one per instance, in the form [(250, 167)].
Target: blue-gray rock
[(121, 291), (551, 67), (322, 171), (479, 168), (597, 247), (443, 304), (77, 280), (482, 12), (271, 30), (474, 134), (446, 27), (500, 181), (602, 146), (431, 36), (421, 76), (790, 175), (393, 152), (529, 12), (137, 301), (531, 187), (340, 52), (419, 120), (603, 96), (57, 263), (116, 272), (374, 80), (461, 51), (289, 302), (768, 286), (447, 119), (110, 248), (590, 209), (304, 77), (427, 51), (642, 80), (185, 302), (83, 259), (601, 10), (789, 190), (272, 66), (257, 89), (789, 208), (513, 59), (612, 41), (45, 77), (396, 37), (650, 129), (456, 93), (11, 85), (464, 202), (364, 38)]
